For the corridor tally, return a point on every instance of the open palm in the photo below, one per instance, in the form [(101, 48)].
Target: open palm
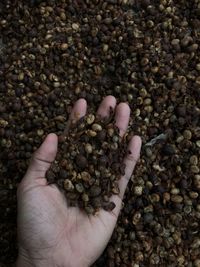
[(49, 231)]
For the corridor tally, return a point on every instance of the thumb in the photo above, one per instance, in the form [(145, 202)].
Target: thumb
[(42, 158)]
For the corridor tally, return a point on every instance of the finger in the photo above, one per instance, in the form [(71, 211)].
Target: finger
[(79, 110), (122, 117), (110, 218), (106, 104), (130, 161), (42, 158)]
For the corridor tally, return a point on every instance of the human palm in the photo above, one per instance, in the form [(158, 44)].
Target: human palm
[(49, 231)]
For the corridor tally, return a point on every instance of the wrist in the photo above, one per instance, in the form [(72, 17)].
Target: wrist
[(25, 260), (29, 263)]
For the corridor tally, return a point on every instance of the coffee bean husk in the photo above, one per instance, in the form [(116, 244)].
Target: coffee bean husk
[(89, 163)]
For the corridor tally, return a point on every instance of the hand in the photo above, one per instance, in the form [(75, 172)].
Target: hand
[(49, 232)]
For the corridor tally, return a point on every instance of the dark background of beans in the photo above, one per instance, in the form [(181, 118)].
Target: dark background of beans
[(143, 52)]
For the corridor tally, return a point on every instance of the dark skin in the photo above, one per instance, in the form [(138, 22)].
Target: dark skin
[(50, 233)]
